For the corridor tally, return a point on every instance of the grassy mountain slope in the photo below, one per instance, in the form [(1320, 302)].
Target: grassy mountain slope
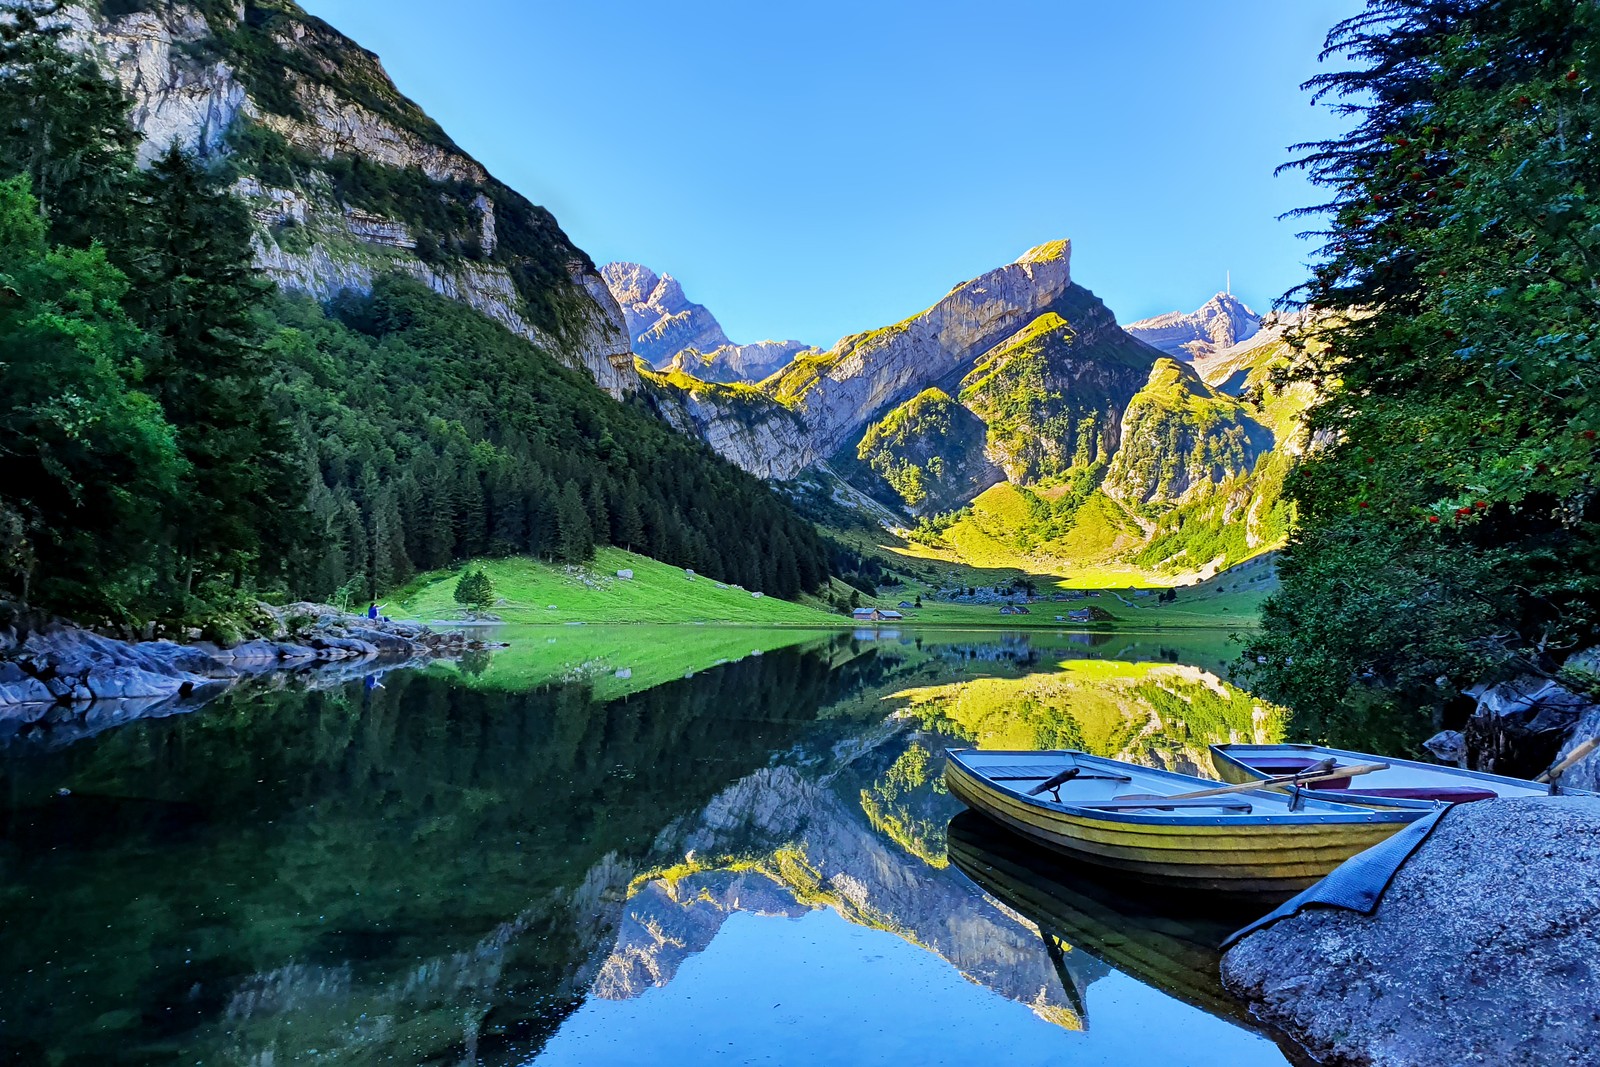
[(927, 455), (1180, 439), (545, 593)]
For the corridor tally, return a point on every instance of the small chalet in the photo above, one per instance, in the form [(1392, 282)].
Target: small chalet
[(1081, 615), (905, 605), (876, 615)]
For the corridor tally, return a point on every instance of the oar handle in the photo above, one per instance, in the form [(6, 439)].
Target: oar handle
[(1245, 787), (1572, 757)]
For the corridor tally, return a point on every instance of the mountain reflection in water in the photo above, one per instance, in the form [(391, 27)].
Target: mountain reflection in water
[(487, 862)]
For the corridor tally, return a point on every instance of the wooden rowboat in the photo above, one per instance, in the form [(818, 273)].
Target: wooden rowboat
[(1258, 843), (1404, 785)]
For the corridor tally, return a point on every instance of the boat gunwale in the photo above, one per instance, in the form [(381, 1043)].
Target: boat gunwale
[(1223, 750), (1351, 815)]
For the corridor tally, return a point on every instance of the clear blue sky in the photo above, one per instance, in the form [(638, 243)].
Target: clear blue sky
[(812, 169)]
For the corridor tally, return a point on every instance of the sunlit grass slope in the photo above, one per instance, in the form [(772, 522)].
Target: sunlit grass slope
[(529, 591)]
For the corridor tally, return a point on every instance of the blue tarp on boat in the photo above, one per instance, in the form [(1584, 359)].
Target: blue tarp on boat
[(1357, 884)]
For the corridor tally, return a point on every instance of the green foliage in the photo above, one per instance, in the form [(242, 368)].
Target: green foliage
[(65, 126), (474, 590), (435, 435), (1179, 434), (1243, 519), (929, 450), (1448, 530), (89, 459), (1041, 423)]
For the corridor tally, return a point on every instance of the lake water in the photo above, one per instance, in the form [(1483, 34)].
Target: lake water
[(611, 846)]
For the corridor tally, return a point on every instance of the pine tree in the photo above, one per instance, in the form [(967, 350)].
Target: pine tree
[(576, 537), (475, 590), (197, 292)]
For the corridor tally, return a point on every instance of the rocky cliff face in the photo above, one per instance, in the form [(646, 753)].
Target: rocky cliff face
[(661, 321), (739, 363), (346, 177), (1223, 321)]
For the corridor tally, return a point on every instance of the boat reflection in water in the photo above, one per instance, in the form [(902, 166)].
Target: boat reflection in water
[(1168, 942)]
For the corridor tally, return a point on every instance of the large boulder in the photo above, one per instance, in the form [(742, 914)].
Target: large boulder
[(17, 687), (1484, 950), (1518, 726), (122, 683)]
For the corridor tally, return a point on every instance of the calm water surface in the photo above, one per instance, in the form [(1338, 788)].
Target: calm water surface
[(609, 846)]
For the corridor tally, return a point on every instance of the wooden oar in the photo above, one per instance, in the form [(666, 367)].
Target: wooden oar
[(1266, 783), (1576, 754)]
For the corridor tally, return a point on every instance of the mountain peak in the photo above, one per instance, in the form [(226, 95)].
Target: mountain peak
[(1049, 252), (1221, 322), (672, 332)]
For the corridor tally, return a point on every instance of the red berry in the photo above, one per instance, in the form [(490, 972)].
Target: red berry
[(1588, 435), (1523, 101), (1462, 513), (1433, 518), (1460, 185), (1416, 175), (1480, 504), (1362, 504), (1572, 75)]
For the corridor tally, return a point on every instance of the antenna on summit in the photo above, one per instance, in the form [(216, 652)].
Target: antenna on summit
[(1230, 283)]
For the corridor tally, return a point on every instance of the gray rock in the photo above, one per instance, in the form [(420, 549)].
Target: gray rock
[(253, 653), (342, 648), (1485, 950), (385, 643), (1520, 725), (1585, 774), (292, 653), (19, 687), (68, 689), (121, 683), (1224, 321), (1585, 664), (1448, 746)]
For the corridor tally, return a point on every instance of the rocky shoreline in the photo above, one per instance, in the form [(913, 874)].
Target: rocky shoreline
[(54, 672)]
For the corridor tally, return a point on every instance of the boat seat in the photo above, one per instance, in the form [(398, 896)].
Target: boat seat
[(1038, 774), (1278, 766), (1452, 794), (1164, 804)]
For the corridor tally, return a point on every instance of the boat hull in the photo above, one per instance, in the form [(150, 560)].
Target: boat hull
[(1262, 859)]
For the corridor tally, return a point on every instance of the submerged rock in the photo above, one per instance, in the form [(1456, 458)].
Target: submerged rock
[(1484, 950)]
